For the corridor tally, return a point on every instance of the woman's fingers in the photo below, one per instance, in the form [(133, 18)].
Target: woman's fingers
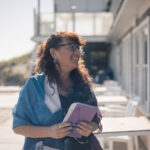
[(82, 132), (64, 129), (62, 133), (63, 125), (86, 125), (60, 130), (84, 129), (66, 133)]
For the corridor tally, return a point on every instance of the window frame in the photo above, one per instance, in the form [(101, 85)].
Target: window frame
[(144, 106), (127, 64)]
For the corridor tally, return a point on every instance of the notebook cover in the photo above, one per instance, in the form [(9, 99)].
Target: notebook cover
[(79, 112)]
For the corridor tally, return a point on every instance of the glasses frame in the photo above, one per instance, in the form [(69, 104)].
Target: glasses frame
[(73, 47)]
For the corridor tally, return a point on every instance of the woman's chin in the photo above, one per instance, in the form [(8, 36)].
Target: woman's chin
[(75, 66)]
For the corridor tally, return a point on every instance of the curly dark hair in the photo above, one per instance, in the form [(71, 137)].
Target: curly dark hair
[(44, 62)]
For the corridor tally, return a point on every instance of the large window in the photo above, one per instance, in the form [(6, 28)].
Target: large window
[(141, 66), (135, 65)]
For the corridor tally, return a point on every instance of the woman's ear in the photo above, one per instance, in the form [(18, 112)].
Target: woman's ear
[(52, 52)]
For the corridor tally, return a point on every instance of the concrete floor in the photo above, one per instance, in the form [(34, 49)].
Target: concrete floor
[(9, 140)]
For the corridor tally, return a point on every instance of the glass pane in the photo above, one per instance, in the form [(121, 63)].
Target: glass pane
[(144, 84), (136, 81), (121, 69), (84, 24), (64, 22), (145, 42), (46, 23), (89, 24), (137, 50), (103, 23)]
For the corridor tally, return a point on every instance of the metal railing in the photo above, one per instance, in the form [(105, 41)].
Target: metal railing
[(85, 24)]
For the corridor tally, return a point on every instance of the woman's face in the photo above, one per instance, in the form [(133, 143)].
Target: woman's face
[(67, 55)]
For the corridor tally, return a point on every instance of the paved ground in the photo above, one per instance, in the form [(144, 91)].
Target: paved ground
[(9, 89), (8, 100), (8, 139)]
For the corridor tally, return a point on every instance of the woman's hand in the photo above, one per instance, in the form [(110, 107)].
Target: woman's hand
[(60, 130), (85, 129)]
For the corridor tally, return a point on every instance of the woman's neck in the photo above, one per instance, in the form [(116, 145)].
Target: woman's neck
[(63, 74), (66, 83)]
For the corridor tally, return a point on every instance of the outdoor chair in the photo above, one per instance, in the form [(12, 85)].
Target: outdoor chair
[(110, 87), (112, 111), (129, 140), (110, 83)]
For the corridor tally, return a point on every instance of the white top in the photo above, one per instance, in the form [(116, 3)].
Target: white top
[(52, 99)]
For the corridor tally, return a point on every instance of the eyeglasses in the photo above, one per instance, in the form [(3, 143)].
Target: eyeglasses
[(73, 47)]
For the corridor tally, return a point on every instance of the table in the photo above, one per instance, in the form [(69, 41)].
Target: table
[(119, 126), (103, 100)]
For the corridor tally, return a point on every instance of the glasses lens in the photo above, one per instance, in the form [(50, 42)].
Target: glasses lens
[(75, 47)]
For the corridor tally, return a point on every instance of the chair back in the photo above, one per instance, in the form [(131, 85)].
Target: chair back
[(131, 108)]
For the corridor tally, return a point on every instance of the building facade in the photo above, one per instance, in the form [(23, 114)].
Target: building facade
[(130, 52), (87, 18)]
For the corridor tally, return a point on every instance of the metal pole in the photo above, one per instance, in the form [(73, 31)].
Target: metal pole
[(38, 22), (73, 17), (73, 7)]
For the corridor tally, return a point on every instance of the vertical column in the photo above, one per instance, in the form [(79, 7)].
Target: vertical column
[(148, 70)]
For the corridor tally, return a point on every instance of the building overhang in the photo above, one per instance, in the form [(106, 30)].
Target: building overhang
[(129, 12), (39, 39), (95, 38)]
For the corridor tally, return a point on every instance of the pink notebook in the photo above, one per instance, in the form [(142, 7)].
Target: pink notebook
[(79, 112)]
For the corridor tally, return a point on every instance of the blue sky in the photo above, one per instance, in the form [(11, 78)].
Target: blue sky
[(16, 27)]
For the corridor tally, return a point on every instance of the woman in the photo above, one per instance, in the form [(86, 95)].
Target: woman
[(60, 80)]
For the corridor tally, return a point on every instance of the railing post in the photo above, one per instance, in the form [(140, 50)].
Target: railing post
[(73, 19), (73, 16), (38, 18), (35, 22)]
